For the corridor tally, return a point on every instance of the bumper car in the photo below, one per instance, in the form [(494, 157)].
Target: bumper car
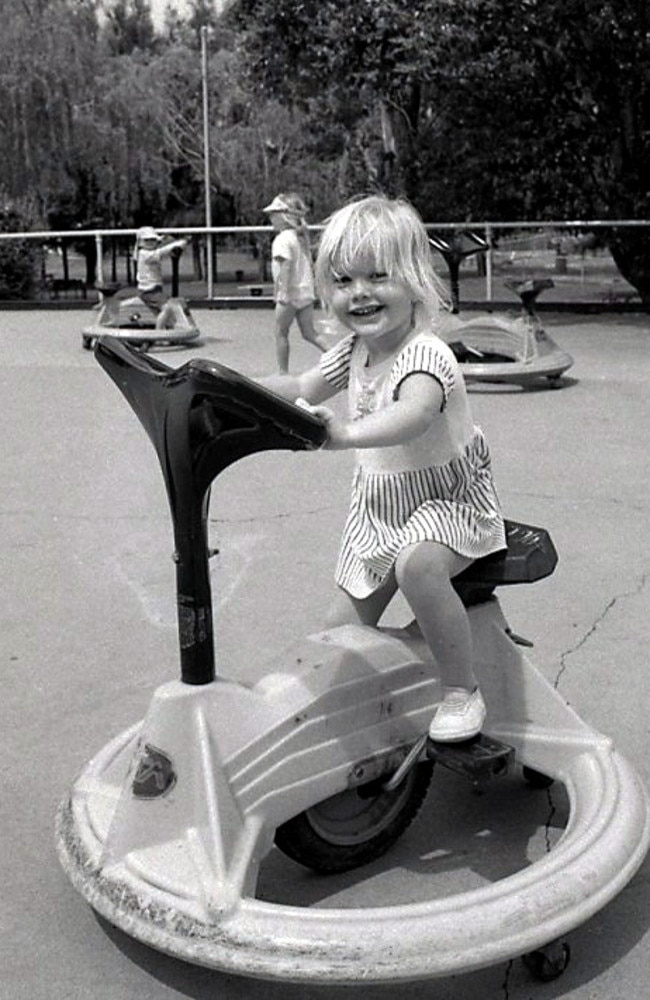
[(132, 320), (509, 349), (327, 755)]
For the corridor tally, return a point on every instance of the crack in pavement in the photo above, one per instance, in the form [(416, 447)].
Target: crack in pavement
[(573, 649), (569, 500), (597, 623), (279, 516), (506, 980), (563, 667)]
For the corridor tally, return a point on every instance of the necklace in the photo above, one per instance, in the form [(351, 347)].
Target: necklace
[(366, 396)]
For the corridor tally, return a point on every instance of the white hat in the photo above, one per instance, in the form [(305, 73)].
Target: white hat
[(147, 233), (278, 205)]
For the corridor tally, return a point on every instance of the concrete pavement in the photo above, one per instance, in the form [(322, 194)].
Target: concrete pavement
[(88, 631)]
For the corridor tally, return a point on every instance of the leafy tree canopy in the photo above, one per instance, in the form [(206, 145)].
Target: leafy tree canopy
[(474, 109)]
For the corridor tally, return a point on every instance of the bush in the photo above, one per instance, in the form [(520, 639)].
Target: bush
[(19, 259)]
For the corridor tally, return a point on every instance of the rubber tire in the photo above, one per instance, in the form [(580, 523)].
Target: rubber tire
[(355, 827), (546, 968)]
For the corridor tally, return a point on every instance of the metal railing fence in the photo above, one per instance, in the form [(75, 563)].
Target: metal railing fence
[(540, 245)]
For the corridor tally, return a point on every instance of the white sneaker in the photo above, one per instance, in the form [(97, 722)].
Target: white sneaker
[(459, 716)]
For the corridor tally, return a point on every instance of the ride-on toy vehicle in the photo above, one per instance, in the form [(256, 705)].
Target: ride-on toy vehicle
[(513, 349), (165, 829), (133, 321)]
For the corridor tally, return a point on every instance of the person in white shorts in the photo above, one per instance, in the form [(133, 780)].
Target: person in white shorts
[(293, 278)]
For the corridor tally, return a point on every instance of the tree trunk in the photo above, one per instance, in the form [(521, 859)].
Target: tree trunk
[(630, 248)]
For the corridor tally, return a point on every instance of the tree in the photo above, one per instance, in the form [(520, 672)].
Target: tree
[(490, 109), (357, 70), (260, 148), (557, 92), (502, 109), (19, 259), (129, 26), (47, 62)]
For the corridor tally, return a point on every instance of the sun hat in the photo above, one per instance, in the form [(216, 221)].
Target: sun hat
[(277, 205), (287, 203), (147, 233)]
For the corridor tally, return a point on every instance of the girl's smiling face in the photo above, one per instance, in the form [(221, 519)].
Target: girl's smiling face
[(373, 305)]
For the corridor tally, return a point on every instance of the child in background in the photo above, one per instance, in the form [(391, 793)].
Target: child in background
[(423, 501), (293, 279), (149, 255)]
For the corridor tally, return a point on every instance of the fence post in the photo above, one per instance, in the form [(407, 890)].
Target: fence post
[(100, 259), (488, 263)]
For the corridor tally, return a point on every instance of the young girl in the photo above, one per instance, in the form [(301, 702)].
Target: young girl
[(293, 278), (150, 251), (423, 501)]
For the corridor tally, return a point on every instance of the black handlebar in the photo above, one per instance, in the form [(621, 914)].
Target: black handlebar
[(201, 418)]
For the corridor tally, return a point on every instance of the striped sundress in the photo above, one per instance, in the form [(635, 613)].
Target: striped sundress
[(436, 487)]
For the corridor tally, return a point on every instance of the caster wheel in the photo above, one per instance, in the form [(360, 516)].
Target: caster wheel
[(548, 963), (88, 343), (536, 779)]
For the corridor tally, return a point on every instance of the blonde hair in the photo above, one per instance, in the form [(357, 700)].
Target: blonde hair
[(390, 234)]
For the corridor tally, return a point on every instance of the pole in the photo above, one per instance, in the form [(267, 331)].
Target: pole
[(488, 263), (99, 279), (206, 157)]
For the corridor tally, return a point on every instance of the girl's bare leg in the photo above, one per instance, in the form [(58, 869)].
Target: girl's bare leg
[(164, 319), (347, 610), (284, 316), (305, 319), (424, 572)]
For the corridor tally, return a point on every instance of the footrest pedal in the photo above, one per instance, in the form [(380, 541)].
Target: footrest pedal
[(478, 758)]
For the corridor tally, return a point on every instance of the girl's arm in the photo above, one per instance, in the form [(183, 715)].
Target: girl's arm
[(165, 250), (282, 278), (310, 385), (418, 405)]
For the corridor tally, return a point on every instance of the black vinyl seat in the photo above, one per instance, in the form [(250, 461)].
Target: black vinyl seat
[(530, 555)]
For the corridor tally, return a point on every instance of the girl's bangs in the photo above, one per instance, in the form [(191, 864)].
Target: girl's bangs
[(361, 247)]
